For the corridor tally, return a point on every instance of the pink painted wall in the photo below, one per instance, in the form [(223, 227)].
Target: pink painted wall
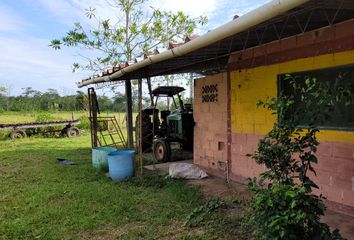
[(210, 139)]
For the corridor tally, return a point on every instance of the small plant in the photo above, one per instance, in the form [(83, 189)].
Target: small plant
[(285, 207)]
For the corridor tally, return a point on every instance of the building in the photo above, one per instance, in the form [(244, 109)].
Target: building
[(244, 61)]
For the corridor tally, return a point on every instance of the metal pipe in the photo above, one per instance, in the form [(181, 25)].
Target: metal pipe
[(257, 16)]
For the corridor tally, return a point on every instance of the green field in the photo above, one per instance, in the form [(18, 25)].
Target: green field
[(16, 117), (42, 199), (24, 117)]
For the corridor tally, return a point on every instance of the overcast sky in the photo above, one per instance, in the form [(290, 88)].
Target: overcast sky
[(27, 26)]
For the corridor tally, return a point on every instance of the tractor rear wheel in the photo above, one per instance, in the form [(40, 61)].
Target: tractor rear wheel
[(162, 150)]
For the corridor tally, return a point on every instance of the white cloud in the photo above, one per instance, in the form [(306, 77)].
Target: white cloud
[(26, 60), (62, 10), (193, 7), (30, 62), (10, 21), (70, 11)]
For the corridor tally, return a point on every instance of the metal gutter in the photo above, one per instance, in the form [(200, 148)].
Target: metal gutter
[(257, 16)]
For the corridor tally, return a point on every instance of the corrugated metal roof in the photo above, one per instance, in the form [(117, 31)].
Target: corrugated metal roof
[(213, 58)]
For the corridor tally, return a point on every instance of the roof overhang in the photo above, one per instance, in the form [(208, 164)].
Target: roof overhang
[(209, 53)]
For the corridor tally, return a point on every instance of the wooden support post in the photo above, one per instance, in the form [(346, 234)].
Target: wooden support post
[(140, 108), (129, 113), (150, 91), (93, 105)]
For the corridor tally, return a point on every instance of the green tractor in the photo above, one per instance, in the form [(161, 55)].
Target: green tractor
[(161, 128)]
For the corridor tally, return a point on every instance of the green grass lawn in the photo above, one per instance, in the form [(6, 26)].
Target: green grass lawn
[(41, 199)]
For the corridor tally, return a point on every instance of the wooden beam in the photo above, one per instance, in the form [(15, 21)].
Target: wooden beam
[(140, 130), (129, 113), (150, 91), (93, 105)]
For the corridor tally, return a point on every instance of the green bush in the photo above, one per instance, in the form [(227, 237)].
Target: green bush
[(84, 123), (44, 117), (286, 207), (282, 211)]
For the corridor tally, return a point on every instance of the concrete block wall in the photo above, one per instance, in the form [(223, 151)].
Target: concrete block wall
[(335, 172), (210, 139), (253, 80)]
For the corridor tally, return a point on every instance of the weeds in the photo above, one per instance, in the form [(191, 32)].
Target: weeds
[(202, 214), (150, 181)]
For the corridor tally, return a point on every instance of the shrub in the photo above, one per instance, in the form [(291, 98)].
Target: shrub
[(84, 123), (286, 208), (282, 211), (44, 117)]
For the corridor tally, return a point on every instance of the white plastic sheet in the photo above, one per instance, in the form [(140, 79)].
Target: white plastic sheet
[(186, 171)]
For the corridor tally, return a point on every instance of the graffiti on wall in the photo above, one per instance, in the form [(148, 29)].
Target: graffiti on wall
[(210, 93)]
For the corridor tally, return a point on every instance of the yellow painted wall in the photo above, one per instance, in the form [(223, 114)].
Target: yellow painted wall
[(250, 85)]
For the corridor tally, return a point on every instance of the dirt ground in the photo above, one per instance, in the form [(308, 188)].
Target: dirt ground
[(217, 187), (213, 187)]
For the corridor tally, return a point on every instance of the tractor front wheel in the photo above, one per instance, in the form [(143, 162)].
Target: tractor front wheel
[(15, 134), (162, 150), (72, 132)]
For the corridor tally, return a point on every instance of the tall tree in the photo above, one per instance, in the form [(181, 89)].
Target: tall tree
[(3, 98), (2, 90), (135, 32)]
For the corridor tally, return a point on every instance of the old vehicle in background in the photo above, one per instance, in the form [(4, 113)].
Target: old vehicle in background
[(161, 128), (18, 129)]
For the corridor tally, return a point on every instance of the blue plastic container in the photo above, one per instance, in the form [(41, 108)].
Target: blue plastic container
[(99, 157), (121, 164)]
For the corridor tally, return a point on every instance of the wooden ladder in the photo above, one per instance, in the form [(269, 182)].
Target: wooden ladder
[(105, 131)]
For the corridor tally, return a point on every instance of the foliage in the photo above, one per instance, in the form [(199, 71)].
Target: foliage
[(284, 211), (134, 32), (32, 100), (84, 123), (44, 117), (287, 209), (3, 102), (2, 90)]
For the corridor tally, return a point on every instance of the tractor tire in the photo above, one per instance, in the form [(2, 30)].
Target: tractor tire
[(72, 132), (146, 134), (16, 134), (162, 150)]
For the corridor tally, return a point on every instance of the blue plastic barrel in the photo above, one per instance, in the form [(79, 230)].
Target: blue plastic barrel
[(99, 157), (121, 164)]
